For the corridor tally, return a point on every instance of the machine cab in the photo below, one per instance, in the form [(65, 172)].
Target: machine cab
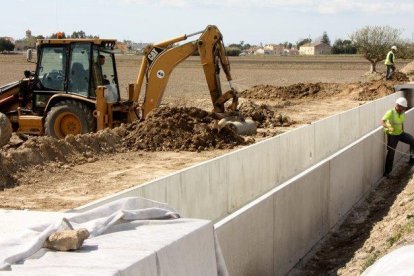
[(75, 66)]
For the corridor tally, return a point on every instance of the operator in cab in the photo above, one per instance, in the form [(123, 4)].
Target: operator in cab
[(100, 77)]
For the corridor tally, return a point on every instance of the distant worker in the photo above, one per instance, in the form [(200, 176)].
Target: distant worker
[(389, 62), (29, 54), (393, 123)]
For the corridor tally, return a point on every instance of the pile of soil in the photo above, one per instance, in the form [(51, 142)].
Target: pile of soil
[(264, 115), (409, 70), (400, 76), (71, 150), (291, 92), (166, 129), (368, 91), (180, 128)]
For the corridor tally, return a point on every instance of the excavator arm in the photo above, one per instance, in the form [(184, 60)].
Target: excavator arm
[(160, 59)]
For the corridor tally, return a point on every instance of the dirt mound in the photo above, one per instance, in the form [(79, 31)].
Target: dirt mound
[(71, 150), (400, 76), (371, 90), (291, 92), (180, 128), (408, 69), (166, 129), (264, 115)]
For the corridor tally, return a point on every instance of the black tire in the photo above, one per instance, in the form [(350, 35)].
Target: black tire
[(5, 130), (69, 117)]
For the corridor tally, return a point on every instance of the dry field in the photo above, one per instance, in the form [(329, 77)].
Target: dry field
[(64, 185), (45, 174)]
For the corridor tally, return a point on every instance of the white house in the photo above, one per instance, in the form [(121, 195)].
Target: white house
[(318, 48)]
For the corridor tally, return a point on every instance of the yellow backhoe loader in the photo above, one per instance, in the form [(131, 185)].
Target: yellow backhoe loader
[(75, 88)]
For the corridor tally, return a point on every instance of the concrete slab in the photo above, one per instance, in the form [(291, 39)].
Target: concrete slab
[(202, 190), (346, 181), (246, 239), (409, 118), (269, 169), (301, 217), (326, 137), (297, 151), (381, 106), (348, 127), (367, 120), (373, 158), (243, 176)]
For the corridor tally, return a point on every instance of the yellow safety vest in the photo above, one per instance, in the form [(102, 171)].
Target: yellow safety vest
[(390, 60)]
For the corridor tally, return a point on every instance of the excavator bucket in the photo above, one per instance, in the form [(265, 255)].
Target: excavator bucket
[(240, 125)]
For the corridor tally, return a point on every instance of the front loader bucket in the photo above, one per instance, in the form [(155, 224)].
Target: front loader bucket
[(241, 126)]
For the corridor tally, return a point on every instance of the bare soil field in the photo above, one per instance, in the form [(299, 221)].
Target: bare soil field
[(279, 93)]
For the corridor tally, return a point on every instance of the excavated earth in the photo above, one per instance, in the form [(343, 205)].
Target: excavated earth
[(50, 174), (165, 129), (183, 128)]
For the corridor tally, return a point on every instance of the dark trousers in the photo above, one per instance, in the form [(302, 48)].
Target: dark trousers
[(390, 71), (392, 144)]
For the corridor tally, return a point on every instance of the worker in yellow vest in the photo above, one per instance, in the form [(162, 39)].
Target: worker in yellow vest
[(389, 62), (393, 123)]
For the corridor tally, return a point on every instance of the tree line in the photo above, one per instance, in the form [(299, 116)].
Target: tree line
[(30, 42)]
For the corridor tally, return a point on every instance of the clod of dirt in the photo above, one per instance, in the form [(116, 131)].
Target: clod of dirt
[(294, 91), (264, 115), (400, 76), (368, 91), (180, 128), (66, 240)]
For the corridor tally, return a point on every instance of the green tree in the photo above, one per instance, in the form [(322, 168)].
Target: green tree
[(343, 47), (241, 45), (373, 42), (233, 51), (79, 34), (288, 45), (6, 45), (302, 42), (325, 38)]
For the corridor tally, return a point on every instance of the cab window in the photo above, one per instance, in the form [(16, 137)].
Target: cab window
[(78, 79), (52, 68), (108, 79)]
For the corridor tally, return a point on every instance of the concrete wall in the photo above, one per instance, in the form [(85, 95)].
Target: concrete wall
[(218, 187), (299, 205), (271, 234)]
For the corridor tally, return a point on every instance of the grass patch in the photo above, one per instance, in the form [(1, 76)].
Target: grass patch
[(404, 230), (370, 261)]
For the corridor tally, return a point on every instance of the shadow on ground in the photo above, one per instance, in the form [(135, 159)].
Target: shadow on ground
[(340, 246)]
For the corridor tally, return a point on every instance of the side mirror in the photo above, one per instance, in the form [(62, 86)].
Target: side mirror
[(28, 73)]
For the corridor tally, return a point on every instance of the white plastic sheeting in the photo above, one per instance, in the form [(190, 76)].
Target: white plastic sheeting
[(399, 262), (131, 236)]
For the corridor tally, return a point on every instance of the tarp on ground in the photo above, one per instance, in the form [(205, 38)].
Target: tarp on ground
[(131, 236)]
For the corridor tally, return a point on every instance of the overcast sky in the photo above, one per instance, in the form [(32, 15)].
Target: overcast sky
[(253, 21)]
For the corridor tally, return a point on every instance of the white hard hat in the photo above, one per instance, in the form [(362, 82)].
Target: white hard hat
[(402, 102), (394, 48)]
